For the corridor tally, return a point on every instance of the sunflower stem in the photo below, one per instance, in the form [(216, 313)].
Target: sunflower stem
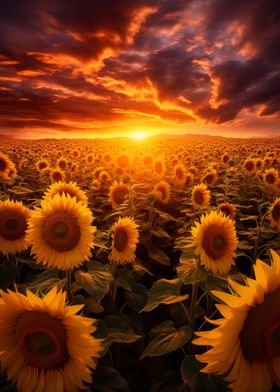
[(68, 285), (193, 305)]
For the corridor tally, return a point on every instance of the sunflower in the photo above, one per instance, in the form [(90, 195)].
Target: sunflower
[(75, 154), (200, 196), (125, 238), (89, 159), (62, 163), (13, 226), (97, 172), (162, 192), (270, 178), (245, 343), (148, 161), (274, 214), (57, 175), (225, 158), (180, 174), (42, 166), (107, 158), (44, 344), (249, 166), (123, 161), (215, 241), (210, 178), (69, 188), (118, 193), (104, 177), (189, 180), (227, 209), (5, 165), (61, 233), (159, 167)]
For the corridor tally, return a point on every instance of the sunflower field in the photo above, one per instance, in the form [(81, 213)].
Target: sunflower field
[(142, 266)]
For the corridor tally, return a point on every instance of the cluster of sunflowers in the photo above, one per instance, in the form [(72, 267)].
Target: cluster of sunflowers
[(153, 244)]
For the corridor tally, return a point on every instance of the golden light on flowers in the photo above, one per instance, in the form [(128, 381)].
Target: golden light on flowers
[(69, 188), (159, 167), (57, 175), (270, 178), (189, 180), (249, 166), (210, 178), (215, 241), (274, 214), (245, 344), (61, 233), (118, 193), (62, 163), (180, 174), (44, 344), (200, 196), (125, 238), (13, 226), (162, 192), (122, 161)]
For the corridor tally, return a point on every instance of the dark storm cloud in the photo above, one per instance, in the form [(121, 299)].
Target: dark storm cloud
[(179, 61)]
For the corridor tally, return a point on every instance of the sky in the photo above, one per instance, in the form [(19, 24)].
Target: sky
[(85, 68)]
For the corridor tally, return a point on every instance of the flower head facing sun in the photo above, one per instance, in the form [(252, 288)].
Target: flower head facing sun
[(215, 241), (118, 193), (61, 233), (274, 214), (45, 343), (13, 226), (200, 196), (245, 343), (125, 238), (162, 191)]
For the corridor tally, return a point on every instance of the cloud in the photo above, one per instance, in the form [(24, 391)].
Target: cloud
[(82, 65)]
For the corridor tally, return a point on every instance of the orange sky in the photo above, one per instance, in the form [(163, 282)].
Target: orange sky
[(99, 69)]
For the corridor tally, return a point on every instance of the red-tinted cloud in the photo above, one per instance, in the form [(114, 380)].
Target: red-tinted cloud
[(83, 67)]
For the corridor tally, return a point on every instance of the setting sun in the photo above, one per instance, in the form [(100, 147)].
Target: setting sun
[(138, 135)]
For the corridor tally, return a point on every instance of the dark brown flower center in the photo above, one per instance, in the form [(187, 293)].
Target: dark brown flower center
[(62, 165), (214, 242), (162, 189), (13, 225), (57, 176), (120, 239), (158, 167), (179, 174), (119, 194), (270, 178), (3, 164), (198, 197), (260, 334), (42, 165), (249, 166), (276, 212), (209, 178), (61, 231), (42, 340)]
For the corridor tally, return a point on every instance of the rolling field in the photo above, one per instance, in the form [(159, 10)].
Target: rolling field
[(140, 265)]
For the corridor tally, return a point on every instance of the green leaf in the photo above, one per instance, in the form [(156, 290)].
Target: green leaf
[(159, 232), (165, 338), (164, 291), (190, 366), (97, 283), (136, 298), (108, 379), (169, 382), (159, 255), (116, 329), (189, 273)]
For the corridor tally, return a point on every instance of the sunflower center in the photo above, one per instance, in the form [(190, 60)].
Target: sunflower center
[(276, 212), (214, 242), (158, 167), (179, 174), (57, 176), (119, 194), (270, 178), (42, 165), (120, 239), (260, 334), (209, 178), (62, 165), (12, 225), (3, 164), (42, 340), (249, 166), (61, 232), (198, 197)]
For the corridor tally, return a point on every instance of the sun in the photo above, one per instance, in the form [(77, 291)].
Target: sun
[(138, 135)]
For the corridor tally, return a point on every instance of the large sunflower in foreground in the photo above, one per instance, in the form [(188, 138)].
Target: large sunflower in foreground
[(13, 226), (44, 345), (246, 342), (215, 240), (125, 238), (69, 188), (61, 233)]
